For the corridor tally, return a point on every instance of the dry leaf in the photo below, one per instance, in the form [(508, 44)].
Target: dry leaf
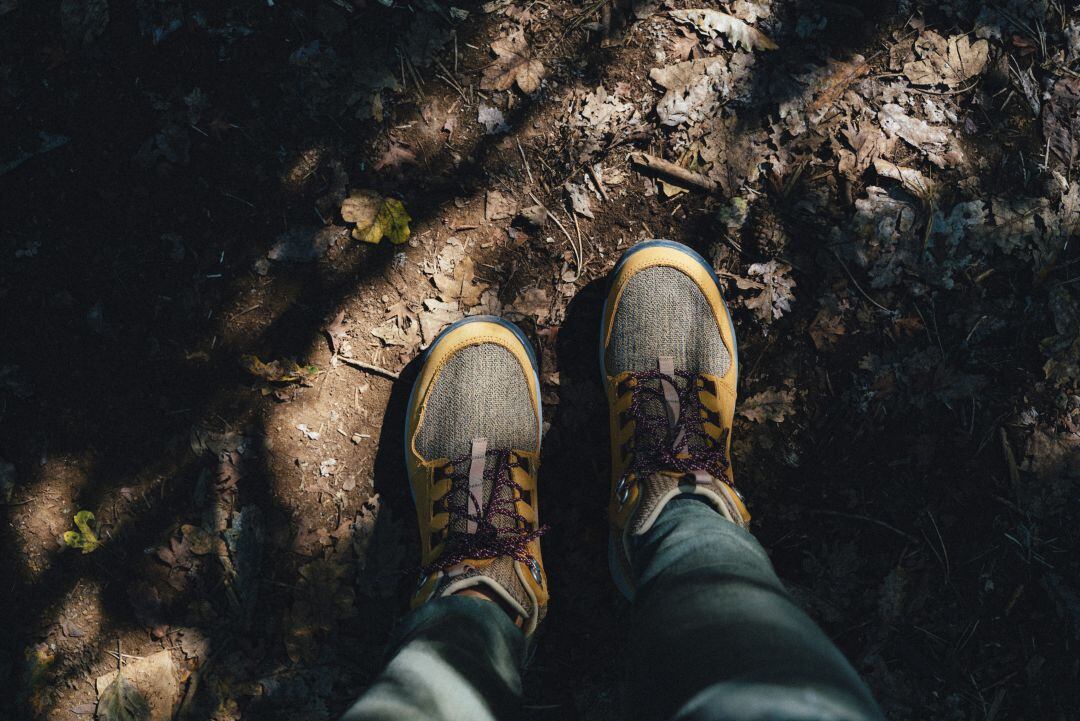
[(1061, 121), (948, 62), (826, 329), (395, 155), (459, 288), (514, 63), (335, 331), (376, 217), (931, 139), (436, 316), (694, 90), (775, 290), (533, 303), (913, 181), (579, 199), (713, 23), (499, 206), (278, 371), (492, 119), (155, 678), (768, 406)]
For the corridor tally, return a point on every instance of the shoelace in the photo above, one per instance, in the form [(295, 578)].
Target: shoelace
[(484, 537), (669, 432)]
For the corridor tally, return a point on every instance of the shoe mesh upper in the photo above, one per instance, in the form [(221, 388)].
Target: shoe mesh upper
[(662, 312), (480, 392)]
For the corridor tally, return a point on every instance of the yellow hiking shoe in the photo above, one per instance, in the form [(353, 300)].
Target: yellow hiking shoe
[(670, 365), (472, 450)]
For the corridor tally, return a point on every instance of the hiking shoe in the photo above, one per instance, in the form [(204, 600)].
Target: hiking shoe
[(472, 450), (670, 365)]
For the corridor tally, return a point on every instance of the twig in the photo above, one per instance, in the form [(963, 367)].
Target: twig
[(867, 519), (599, 183), (369, 367), (526, 161), (673, 172), (856, 283), (577, 253)]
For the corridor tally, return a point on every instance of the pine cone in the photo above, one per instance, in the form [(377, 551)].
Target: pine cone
[(767, 229)]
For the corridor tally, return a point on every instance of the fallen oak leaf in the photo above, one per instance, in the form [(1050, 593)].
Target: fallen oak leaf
[(772, 406), (947, 62), (514, 63), (713, 23)]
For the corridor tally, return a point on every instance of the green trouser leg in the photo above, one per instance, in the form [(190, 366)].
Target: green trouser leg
[(715, 635), (457, 658)]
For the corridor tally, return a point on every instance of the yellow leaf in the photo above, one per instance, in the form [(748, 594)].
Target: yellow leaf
[(278, 371), (84, 538), (376, 217)]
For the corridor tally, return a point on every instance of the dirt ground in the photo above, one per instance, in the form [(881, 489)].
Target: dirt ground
[(198, 346)]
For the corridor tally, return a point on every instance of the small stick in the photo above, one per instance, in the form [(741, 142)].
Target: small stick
[(558, 223), (671, 171), (369, 367), (526, 161), (599, 184)]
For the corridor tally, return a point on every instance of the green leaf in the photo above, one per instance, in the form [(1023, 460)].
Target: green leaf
[(84, 538), (121, 701)]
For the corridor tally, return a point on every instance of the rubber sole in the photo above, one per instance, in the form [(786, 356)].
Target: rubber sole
[(617, 575)]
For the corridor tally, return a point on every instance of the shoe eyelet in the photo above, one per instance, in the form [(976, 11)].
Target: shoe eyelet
[(622, 491), (534, 568)]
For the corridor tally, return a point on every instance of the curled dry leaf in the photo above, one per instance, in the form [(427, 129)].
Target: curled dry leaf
[(278, 371), (713, 23), (913, 181), (514, 63), (774, 290), (946, 62), (694, 90), (772, 406)]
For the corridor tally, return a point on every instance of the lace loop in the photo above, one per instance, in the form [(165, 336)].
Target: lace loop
[(488, 529), (664, 441)]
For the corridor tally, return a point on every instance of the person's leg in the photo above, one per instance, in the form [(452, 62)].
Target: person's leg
[(454, 658), (716, 636), (473, 427)]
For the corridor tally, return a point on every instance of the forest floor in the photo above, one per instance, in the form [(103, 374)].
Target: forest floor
[(200, 347)]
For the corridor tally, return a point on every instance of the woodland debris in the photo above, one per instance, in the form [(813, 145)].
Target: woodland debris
[(154, 677), (515, 64), (714, 24), (652, 165), (946, 62)]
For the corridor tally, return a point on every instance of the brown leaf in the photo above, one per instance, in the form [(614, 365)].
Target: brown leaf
[(768, 406), (335, 331), (1061, 121), (459, 288), (946, 62), (826, 329), (395, 155), (514, 63)]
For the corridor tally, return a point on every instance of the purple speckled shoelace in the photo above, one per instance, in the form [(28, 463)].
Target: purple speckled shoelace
[(484, 537), (669, 432)]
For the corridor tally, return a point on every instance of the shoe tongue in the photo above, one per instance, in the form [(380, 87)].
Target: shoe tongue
[(472, 489), (654, 405)]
